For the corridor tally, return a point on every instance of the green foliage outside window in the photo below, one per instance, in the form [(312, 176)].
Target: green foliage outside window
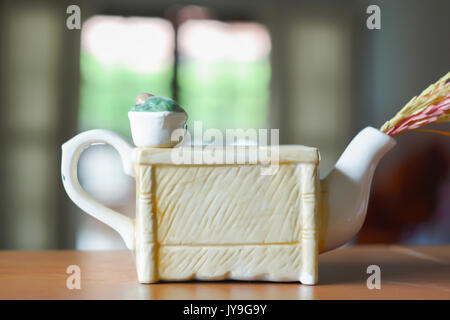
[(108, 93), (223, 94)]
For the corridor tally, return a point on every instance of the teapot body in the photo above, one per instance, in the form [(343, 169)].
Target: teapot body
[(220, 212), (249, 219), (226, 221)]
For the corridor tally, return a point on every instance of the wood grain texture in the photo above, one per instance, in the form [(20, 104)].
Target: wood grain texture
[(241, 262), (145, 227), (226, 221), (286, 154), (227, 205), (406, 273), (308, 181)]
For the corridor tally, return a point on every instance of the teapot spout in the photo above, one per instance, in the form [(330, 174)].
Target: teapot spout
[(345, 190)]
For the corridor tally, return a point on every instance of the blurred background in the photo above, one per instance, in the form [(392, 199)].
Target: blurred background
[(312, 69)]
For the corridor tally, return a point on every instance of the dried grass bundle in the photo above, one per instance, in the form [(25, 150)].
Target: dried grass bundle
[(431, 106)]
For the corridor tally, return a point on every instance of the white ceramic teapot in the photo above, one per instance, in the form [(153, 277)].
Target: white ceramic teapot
[(227, 221)]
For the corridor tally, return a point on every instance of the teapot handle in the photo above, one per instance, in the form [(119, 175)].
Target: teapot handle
[(71, 151)]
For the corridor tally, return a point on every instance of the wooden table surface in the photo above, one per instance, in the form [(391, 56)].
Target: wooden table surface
[(406, 273)]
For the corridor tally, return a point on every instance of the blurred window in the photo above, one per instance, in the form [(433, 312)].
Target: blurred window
[(223, 72), (121, 57), (222, 78)]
